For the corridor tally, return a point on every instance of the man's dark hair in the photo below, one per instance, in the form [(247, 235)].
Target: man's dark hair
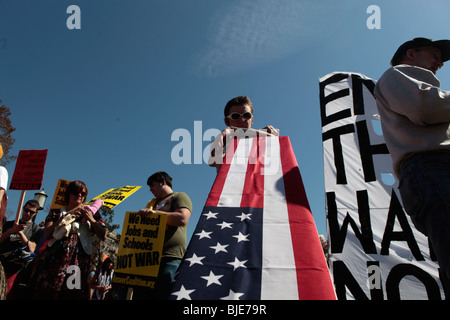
[(238, 101), (160, 176), (33, 203)]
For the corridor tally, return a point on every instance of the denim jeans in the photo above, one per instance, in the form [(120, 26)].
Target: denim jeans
[(425, 191), (166, 274)]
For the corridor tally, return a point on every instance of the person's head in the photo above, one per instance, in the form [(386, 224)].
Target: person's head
[(239, 112), (30, 209), (158, 183), (76, 193), (424, 53), (107, 264)]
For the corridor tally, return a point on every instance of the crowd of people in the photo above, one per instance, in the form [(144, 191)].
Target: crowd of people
[(415, 117), (63, 245)]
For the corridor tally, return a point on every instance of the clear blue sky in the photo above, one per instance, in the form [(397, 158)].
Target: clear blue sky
[(105, 99)]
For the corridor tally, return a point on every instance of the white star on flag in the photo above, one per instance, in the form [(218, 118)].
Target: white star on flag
[(232, 296), (241, 237), (224, 225), (212, 278), (183, 293), (238, 264), (194, 259), (219, 247), (244, 216), (203, 234), (211, 215)]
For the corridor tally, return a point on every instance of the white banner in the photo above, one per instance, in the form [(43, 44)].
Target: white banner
[(375, 252)]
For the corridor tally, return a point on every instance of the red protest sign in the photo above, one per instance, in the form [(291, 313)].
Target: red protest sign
[(29, 170)]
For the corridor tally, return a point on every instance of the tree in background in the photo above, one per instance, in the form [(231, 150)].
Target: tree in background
[(6, 129), (101, 249), (7, 141), (108, 215)]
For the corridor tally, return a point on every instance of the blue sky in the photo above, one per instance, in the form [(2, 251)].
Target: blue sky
[(105, 99)]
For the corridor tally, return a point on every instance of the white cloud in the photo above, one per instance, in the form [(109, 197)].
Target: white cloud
[(247, 33)]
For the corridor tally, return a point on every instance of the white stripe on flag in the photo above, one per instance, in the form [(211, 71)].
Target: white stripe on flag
[(279, 278), (234, 184)]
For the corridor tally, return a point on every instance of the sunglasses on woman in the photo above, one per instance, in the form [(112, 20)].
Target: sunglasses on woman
[(236, 115), (77, 193)]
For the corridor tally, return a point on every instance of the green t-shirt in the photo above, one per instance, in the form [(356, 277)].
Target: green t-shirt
[(175, 242)]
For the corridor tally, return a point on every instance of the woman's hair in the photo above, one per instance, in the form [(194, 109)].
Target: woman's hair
[(75, 186), (105, 263)]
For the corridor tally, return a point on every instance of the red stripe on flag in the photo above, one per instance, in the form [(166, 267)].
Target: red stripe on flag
[(219, 182), (313, 277), (253, 193)]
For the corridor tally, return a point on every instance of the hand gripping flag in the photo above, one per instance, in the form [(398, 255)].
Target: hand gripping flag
[(256, 237)]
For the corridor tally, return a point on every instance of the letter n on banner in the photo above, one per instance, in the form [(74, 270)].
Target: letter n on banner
[(375, 250)]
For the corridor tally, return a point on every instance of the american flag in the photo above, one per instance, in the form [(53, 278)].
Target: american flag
[(256, 237)]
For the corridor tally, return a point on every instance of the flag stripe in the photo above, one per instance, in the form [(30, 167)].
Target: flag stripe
[(217, 188), (279, 280), (313, 277), (234, 184), (253, 193)]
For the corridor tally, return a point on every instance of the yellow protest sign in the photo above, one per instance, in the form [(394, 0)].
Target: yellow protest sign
[(113, 197), (140, 249), (58, 197)]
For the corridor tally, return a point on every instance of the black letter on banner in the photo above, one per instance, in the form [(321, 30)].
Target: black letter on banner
[(358, 96), (335, 134), (399, 271), (344, 278), (333, 96), (367, 151), (338, 235), (395, 210)]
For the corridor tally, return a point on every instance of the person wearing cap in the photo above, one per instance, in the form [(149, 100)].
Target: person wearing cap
[(415, 119)]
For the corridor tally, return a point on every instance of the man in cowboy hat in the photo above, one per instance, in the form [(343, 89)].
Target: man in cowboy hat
[(415, 118)]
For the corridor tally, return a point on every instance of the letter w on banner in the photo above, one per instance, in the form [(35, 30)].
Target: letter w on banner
[(256, 237), (375, 251)]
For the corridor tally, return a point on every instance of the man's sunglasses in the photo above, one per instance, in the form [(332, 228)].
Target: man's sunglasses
[(29, 210), (237, 115)]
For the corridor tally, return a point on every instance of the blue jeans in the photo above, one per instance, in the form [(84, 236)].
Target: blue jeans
[(166, 274), (425, 191)]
